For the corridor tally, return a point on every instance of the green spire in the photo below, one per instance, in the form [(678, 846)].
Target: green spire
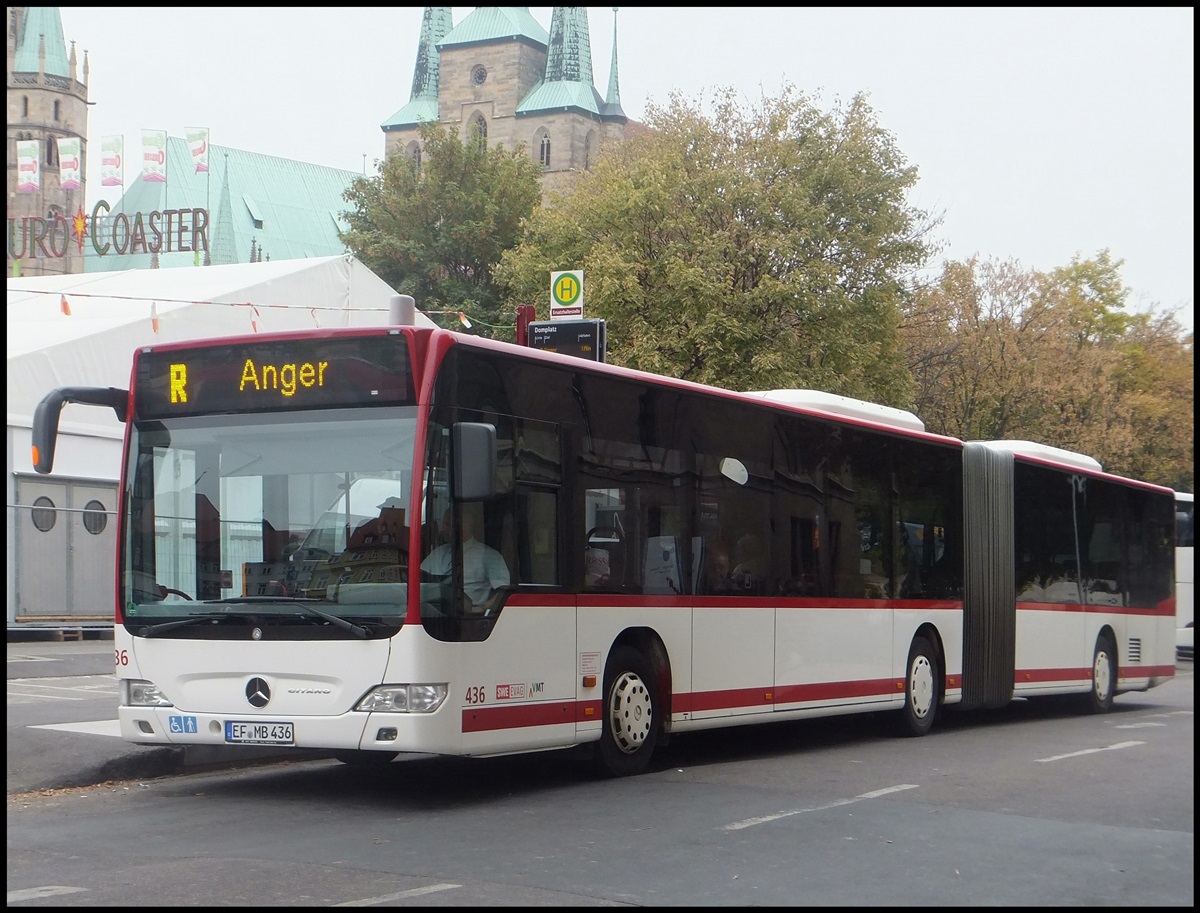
[(41, 23), (612, 102), (435, 25), (569, 56)]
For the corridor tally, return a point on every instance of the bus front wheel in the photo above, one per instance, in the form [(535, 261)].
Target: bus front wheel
[(1104, 676), (631, 709), (922, 690)]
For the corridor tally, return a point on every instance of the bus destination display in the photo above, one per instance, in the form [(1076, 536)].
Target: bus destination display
[(581, 338), (274, 375)]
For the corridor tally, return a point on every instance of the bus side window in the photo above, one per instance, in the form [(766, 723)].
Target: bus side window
[(535, 537)]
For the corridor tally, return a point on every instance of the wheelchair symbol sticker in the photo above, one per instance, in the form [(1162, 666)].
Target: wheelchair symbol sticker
[(182, 724)]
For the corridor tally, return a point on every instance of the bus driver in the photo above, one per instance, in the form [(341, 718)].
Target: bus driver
[(484, 570)]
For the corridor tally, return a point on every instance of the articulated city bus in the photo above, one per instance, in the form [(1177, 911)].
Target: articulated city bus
[(390, 540)]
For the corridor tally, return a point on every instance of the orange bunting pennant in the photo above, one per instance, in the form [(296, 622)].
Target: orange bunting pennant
[(254, 318), (154, 315), (65, 306)]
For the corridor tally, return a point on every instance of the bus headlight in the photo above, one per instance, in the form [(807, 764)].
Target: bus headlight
[(404, 698), (138, 693)]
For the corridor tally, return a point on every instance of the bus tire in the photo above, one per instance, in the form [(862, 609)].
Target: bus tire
[(631, 711), (922, 692), (366, 759), (1104, 676)]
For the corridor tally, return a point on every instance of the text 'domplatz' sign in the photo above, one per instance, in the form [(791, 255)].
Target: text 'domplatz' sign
[(581, 338)]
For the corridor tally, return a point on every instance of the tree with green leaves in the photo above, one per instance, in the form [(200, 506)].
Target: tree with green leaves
[(1000, 352), (750, 249), (436, 230)]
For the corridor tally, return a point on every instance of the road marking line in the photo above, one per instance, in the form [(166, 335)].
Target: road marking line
[(1086, 751), (50, 890), (751, 822), (95, 727), (39, 688), (399, 895), (36, 698)]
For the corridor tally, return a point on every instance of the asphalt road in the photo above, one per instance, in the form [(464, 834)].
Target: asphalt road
[(62, 722), (1030, 805)]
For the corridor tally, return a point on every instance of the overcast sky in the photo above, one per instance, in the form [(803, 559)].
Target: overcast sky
[(1039, 134)]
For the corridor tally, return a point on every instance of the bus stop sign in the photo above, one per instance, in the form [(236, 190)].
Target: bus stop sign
[(581, 338)]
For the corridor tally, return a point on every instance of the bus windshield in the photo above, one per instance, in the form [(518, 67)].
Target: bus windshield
[(271, 510)]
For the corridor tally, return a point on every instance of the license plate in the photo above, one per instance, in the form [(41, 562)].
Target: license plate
[(248, 733)]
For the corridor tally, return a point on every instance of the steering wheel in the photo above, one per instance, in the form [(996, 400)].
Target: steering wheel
[(604, 532)]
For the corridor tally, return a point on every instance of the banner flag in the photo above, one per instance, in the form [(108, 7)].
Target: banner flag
[(112, 156), (64, 305), (29, 166), (70, 162), (197, 138), (154, 156)]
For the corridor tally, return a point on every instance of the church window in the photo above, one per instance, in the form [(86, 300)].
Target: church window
[(478, 131), (589, 150), (544, 150), (56, 104)]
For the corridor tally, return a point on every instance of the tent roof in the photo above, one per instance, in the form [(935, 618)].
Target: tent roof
[(112, 314), (284, 209)]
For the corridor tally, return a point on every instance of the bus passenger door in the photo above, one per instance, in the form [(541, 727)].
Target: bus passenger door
[(524, 670)]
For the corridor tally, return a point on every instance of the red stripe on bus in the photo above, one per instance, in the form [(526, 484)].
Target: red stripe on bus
[(523, 716), (769, 695), (831, 691), (1164, 608), (1025, 676), (622, 600), (517, 716)]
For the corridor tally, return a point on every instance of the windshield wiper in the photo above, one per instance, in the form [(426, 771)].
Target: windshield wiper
[(303, 605), (163, 627)]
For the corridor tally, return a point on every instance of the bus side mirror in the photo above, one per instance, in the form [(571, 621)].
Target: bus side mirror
[(473, 449), (45, 417)]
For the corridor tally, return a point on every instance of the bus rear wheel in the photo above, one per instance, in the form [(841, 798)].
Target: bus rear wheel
[(1104, 676), (631, 711), (922, 688)]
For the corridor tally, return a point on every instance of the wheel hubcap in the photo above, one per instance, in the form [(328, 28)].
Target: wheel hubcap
[(630, 712), (1102, 675), (920, 687)]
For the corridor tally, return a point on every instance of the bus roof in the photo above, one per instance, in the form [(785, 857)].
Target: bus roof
[(1045, 452), (843, 405)]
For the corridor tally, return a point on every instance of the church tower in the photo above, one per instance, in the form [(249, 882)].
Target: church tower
[(500, 76), (47, 125)]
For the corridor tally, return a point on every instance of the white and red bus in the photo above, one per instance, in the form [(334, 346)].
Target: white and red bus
[(281, 493), (1185, 574)]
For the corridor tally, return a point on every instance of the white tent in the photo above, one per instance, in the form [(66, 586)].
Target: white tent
[(82, 330)]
